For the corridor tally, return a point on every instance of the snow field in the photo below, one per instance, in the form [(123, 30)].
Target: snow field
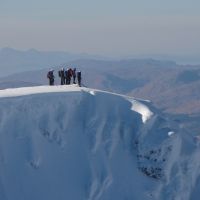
[(66, 142)]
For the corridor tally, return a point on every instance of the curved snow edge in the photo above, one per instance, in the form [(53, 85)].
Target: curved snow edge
[(141, 109)]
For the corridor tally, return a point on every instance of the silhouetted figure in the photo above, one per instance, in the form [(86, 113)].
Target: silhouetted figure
[(50, 76), (79, 78), (68, 75), (74, 75), (61, 74)]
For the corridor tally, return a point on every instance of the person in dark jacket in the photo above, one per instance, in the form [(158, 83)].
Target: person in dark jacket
[(50, 76), (61, 74), (68, 75), (74, 75), (79, 78)]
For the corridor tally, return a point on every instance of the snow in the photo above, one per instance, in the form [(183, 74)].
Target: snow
[(170, 133), (67, 142), (92, 92), (36, 90), (142, 109)]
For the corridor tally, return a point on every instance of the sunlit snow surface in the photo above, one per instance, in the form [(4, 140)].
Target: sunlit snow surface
[(67, 142)]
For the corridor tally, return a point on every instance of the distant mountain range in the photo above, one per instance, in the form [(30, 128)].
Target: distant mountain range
[(14, 61)]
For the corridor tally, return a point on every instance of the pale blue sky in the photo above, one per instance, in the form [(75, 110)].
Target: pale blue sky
[(113, 27)]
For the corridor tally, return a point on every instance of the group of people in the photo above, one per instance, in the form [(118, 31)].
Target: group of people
[(65, 76)]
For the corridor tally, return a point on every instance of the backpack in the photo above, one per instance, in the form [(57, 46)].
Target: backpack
[(50, 75)]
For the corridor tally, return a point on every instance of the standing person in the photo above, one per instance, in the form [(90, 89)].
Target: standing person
[(50, 76), (79, 78), (61, 74), (74, 75), (66, 76), (69, 76)]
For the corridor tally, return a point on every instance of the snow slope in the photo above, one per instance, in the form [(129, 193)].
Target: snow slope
[(66, 142)]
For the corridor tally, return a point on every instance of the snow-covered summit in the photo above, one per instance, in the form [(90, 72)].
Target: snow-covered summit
[(136, 105), (66, 142)]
